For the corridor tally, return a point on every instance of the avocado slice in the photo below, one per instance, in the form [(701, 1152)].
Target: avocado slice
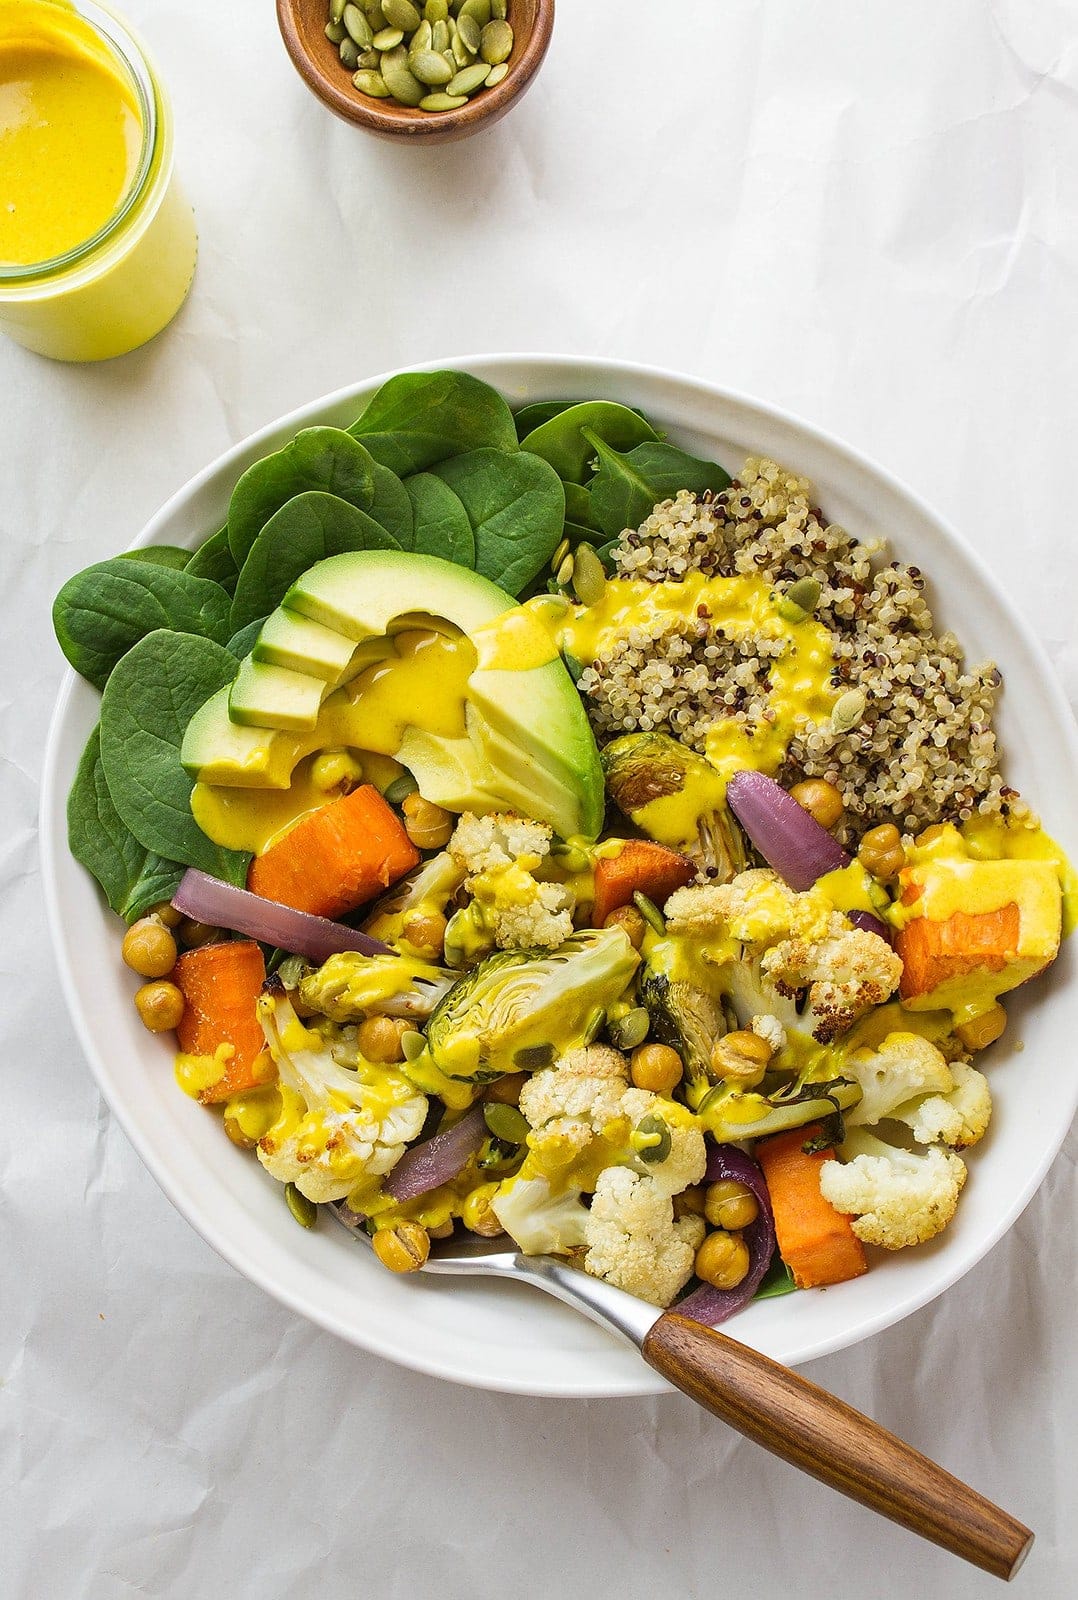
[(373, 592), (274, 697), (289, 640), (217, 750)]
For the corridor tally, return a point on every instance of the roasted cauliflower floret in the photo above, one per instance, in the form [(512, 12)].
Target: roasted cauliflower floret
[(846, 973), (958, 1118), (634, 1240), (499, 855), (907, 1080), (585, 1089), (896, 1197)]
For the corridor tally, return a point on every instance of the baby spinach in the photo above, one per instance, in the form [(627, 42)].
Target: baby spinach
[(243, 642), (441, 525), (420, 418), (578, 506), (150, 698), (305, 530), (627, 487), (105, 609), (327, 459), (133, 878), (515, 505), (777, 1280), (159, 555), (391, 507), (540, 411), (562, 441), (213, 559)]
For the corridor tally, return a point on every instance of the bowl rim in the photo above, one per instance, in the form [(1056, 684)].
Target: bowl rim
[(405, 122), (53, 845)]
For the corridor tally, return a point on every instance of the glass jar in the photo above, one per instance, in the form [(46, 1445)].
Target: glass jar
[(116, 289)]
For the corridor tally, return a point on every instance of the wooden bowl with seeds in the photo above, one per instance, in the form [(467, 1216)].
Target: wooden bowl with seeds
[(314, 34)]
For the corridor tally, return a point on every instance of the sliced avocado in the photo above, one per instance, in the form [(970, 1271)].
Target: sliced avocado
[(274, 697), (217, 750), (289, 640), (366, 592), (570, 808)]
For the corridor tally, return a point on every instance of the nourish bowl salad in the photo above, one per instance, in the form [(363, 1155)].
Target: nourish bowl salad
[(528, 829)]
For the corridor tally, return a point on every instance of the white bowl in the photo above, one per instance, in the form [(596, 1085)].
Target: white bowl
[(506, 1337)]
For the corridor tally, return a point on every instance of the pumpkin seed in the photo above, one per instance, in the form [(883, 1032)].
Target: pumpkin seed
[(459, 50), (372, 83), (359, 29), (479, 9), (443, 102), (305, 1211), (388, 39), (336, 11), (349, 54), (398, 77), (589, 576), (506, 1123), (630, 1030), (499, 10), (469, 33), (440, 37), (564, 574), (420, 40), (372, 10), (401, 14), (430, 68), (848, 710), (657, 1134), (413, 1044), (533, 1057), (436, 10), (496, 43), (335, 32), (559, 555), (400, 789), (368, 60), (804, 593), (497, 74), (650, 912), (467, 81)]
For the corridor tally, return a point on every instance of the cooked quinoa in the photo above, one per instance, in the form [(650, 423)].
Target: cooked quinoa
[(925, 750)]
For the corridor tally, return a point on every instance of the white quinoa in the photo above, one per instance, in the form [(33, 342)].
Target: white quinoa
[(925, 750)]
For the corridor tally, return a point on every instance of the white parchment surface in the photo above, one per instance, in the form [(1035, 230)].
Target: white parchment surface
[(866, 213)]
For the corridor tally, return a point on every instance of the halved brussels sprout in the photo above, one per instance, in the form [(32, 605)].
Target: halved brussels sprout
[(676, 797)]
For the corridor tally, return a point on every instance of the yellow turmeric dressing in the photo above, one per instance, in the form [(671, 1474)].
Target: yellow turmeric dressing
[(70, 132)]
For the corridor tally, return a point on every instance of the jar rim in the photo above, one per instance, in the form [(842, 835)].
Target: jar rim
[(121, 44)]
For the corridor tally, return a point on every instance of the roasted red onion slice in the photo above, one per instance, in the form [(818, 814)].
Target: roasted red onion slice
[(222, 905), (713, 1306), (428, 1165)]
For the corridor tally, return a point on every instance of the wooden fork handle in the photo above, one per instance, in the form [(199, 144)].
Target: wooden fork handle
[(831, 1441)]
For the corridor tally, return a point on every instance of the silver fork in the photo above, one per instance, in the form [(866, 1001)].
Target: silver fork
[(768, 1403)]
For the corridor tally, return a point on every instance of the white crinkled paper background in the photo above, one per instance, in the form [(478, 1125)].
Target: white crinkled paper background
[(865, 213)]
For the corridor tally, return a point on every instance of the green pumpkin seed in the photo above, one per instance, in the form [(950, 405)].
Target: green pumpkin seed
[(499, 10), (349, 54), (804, 593), (443, 102), (467, 81), (336, 11), (630, 1030), (848, 710), (478, 9), (650, 912), (589, 576), (436, 10), (431, 68), (305, 1211), (659, 1142), (596, 1024), (497, 74), (533, 1057), (359, 28), (420, 40), (335, 32), (559, 555), (459, 50), (372, 83), (400, 789), (440, 37), (564, 574), (469, 33), (506, 1122), (413, 1045), (399, 79), (368, 61), (372, 10), (388, 39), (496, 43), (401, 14)]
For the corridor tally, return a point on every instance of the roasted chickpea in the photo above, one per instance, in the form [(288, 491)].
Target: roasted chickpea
[(160, 1006), (442, 1230), (477, 1215), (404, 1248), (193, 935), (506, 1091), (820, 799), (880, 852), (234, 1132), (729, 1204), (149, 948), (379, 1038), (741, 1056), (427, 825), (983, 1030), (336, 772), (722, 1260), (631, 923), (656, 1067), (166, 912), (426, 935), (690, 1202)]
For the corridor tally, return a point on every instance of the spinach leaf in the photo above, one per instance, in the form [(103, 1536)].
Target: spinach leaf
[(134, 879), (105, 609), (561, 441), (243, 642), (540, 411), (213, 559), (160, 555), (578, 506), (516, 507), (441, 523), (778, 1279), (420, 418), (391, 507), (305, 530), (627, 487), (148, 702), (317, 458)]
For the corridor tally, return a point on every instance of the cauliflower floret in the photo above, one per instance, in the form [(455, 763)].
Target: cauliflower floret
[(847, 972), (959, 1118), (771, 1031), (896, 1197), (904, 1066), (500, 854), (334, 1128), (585, 1084), (633, 1239), (540, 1218)]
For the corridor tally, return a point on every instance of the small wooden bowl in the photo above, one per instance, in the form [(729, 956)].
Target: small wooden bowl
[(303, 29)]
